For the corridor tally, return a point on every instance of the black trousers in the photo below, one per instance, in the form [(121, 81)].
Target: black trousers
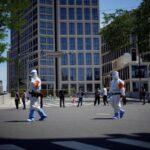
[(17, 103), (97, 100), (105, 99), (62, 102), (24, 103)]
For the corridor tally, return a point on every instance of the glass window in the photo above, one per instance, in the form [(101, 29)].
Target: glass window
[(64, 59), (79, 13), (63, 14), (63, 2), (80, 43), (87, 28), (142, 72), (94, 2), (63, 43), (71, 28), (89, 88), (81, 87), (88, 59), (95, 28), (88, 43), (79, 2), (96, 59), (95, 14), (72, 59), (80, 59), (73, 88), (86, 13), (71, 2), (89, 74), (72, 43), (71, 13), (72, 74), (79, 28), (96, 43), (63, 28), (64, 74), (86, 2), (81, 74), (96, 73)]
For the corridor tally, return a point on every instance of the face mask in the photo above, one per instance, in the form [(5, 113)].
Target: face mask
[(115, 75)]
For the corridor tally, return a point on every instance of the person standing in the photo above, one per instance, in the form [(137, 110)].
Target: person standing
[(17, 100), (143, 94), (34, 91), (80, 95), (105, 96), (62, 98), (97, 97), (117, 91), (24, 96)]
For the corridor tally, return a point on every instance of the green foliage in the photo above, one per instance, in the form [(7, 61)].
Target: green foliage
[(10, 18), (119, 25)]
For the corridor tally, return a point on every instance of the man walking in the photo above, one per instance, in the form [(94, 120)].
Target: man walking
[(34, 91)]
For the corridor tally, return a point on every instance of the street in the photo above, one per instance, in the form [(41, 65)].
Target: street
[(88, 127)]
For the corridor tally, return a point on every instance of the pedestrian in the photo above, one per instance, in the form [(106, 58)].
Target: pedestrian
[(124, 97), (34, 91), (105, 96), (17, 100), (62, 98), (97, 97), (117, 91), (80, 96), (41, 99), (24, 96), (143, 94)]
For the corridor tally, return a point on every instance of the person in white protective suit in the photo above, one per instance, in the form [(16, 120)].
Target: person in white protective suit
[(34, 91), (117, 92)]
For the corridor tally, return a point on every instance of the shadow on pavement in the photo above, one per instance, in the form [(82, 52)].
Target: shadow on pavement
[(111, 142)]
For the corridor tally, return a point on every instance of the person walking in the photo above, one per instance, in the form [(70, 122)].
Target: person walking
[(97, 97), (24, 96), (116, 91), (105, 96), (17, 99), (62, 98), (34, 91), (80, 96)]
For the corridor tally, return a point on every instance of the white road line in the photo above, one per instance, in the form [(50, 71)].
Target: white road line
[(78, 146), (131, 142), (10, 147)]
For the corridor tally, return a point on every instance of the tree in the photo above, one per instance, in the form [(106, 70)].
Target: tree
[(123, 23), (10, 14)]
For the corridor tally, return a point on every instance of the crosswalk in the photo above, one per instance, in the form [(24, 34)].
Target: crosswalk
[(125, 143), (67, 104)]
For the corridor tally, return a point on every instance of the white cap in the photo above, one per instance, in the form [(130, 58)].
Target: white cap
[(33, 71)]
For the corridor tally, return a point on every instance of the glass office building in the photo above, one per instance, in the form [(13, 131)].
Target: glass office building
[(69, 28)]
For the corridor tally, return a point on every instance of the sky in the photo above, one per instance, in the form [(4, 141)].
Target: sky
[(107, 6)]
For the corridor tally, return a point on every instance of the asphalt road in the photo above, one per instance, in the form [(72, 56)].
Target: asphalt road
[(80, 128)]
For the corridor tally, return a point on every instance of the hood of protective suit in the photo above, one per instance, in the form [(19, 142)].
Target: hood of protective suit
[(115, 75), (33, 73)]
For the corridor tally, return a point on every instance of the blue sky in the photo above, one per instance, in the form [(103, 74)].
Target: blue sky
[(107, 6)]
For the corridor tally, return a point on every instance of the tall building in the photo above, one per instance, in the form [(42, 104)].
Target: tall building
[(61, 40), (133, 68)]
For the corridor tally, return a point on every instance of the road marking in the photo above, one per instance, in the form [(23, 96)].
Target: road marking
[(10, 146), (131, 142), (78, 146)]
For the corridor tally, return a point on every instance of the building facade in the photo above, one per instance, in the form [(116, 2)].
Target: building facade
[(127, 62), (61, 40)]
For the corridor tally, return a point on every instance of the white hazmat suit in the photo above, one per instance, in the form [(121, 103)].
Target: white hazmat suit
[(34, 91), (117, 91)]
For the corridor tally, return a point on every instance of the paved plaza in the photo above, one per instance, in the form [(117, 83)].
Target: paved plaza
[(88, 127)]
